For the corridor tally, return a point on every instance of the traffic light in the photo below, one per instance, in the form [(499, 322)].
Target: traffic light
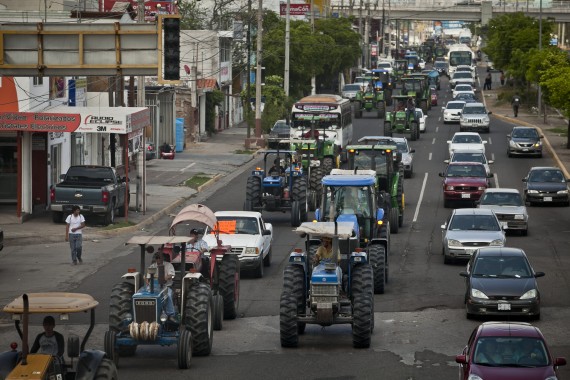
[(171, 48)]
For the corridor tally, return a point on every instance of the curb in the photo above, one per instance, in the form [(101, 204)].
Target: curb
[(209, 183), (547, 142)]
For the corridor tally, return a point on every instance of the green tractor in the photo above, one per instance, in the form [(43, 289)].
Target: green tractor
[(397, 120), (400, 68), (370, 100), (417, 86), (317, 155), (380, 154)]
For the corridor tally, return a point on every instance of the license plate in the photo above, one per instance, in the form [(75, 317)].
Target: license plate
[(504, 306), (466, 196), (475, 125), (547, 199), (525, 150)]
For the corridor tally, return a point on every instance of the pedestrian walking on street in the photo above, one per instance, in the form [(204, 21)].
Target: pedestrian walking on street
[(74, 224), (502, 78), (488, 82)]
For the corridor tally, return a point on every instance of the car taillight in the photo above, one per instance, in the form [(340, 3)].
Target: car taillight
[(52, 194), (105, 197)]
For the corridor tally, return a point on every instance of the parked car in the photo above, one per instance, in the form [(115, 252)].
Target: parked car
[(362, 82), (421, 118), (475, 117), (468, 229), (248, 235), (507, 350), (464, 182), (466, 141), (544, 184), (524, 141), (452, 111), (280, 131), (500, 281), (508, 206), (349, 91), (471, 156), (150, 151)]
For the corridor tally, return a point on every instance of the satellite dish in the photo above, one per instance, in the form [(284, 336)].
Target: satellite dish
[(187, 69)]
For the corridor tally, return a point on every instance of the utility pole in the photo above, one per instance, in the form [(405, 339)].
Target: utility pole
[(287, 42), (140, 79), (258, 69), (382, 30), (248, 85), (313, 78), (540, 48)]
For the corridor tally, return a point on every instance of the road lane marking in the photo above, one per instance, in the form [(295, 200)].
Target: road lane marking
[(188, 167), (496, 180), (429, 156), (439, 119), (489, 140), (436, 129), (420, 199), (433, 141), (493, 156)]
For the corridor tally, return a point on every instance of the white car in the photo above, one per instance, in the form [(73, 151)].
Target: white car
[(462, 88), (452, 111), (462, 77), (421, 117), (466, 141), (468, 68), (385, 65), (362, 82), (471, 156), (248, 235)]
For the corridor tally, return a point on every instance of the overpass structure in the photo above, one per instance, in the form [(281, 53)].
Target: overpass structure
[(558, 11)]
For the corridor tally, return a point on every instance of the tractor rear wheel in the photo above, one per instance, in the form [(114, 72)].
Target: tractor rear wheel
[(424, 105), (120, 305), (414, 131), (229, 285), (362, 314), (218, 310), (387, 129), (300, 195), (288, 328), (253, 193), (377, 257), (394, 215), (328, 165), (184, 349), (198, 318), (106, 370)]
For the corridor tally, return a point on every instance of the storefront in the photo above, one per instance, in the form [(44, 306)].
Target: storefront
[(36, 148)]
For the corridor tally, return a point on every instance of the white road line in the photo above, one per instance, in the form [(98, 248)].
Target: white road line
[(496, 180), (420, 198), (433, 141), (188, 167), (489, 140), (429, 156), (493, 156), (439, 118), (436, 129)]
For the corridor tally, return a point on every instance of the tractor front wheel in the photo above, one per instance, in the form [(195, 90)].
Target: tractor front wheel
[(184, 349), (394, 215), (387, 129), (198, 318), (218, 310), (377, 257), (288, 328), (120, 306), (414, 131), (106, 370), (229, 285), (362, 314)]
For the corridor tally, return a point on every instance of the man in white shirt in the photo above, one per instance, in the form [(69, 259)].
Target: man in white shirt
[(75, 223), (169, 272), (198, 244)]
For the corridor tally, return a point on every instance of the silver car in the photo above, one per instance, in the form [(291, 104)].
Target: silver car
[(349, 91), (469, 229), (509, 207)]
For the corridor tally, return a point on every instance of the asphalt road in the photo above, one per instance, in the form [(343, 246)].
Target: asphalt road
[(420, 320)]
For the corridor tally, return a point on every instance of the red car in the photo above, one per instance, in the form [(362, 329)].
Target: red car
[(507, 351), (464, 181)]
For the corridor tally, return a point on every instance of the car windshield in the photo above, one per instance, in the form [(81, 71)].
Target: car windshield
[(466, 171), (280, 128), (463, 87), (474, 110), (419, 114), (501, 266), (237, 225), (469, 157), (466, 139), (465, 95), (474, 223), (524, 133), (546, 176), (501, 199), (462, 75), (359, 80), (455, 106), (509, 351), (385, 65), (351, 87), (440, 65)]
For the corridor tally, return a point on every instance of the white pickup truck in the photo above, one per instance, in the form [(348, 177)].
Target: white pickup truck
[(248, 235)]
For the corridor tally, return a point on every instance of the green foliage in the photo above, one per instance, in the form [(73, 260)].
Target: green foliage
[(274, 102), (191, 15), (213, 99), (555, 81)]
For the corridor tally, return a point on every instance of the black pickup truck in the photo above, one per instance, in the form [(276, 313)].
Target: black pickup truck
[(96, 189)]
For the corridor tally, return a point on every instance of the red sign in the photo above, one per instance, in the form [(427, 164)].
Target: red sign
[(151, 8), (295, 9), (39, 122)]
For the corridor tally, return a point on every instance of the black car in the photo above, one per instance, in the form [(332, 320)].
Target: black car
[(500, 281), (280, 131), (545, 185), (442, 67), (524, 141)]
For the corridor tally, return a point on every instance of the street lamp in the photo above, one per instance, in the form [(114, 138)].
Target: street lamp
[(539, 49)]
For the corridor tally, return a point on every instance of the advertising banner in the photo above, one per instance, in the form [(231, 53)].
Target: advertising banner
[(295, 9)]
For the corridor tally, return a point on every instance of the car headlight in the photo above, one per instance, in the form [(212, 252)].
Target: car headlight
[(497, 243), (481, 188), (476, 377), (449, 187), (478, 294), (512, 143), (519, 217), (532, 191), (528, 295), (485, 119), (453, 243), (538, 144), (551, 378), (252, 251), (562, 192)]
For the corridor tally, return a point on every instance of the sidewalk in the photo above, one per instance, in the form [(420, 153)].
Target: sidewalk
[(553, 142), (219, 156)]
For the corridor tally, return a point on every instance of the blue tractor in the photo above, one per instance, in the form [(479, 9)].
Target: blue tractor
[(279, 186), (350, 196), (333, 291)]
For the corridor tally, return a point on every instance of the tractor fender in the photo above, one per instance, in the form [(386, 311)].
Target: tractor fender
[(299, 258), (191, 275), (8, 361), (135, 277), (88, 364)]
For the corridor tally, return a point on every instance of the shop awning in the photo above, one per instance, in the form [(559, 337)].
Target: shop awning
[(120, 120)]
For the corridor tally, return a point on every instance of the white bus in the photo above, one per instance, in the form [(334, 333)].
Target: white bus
[(459, 54), (329, 113)]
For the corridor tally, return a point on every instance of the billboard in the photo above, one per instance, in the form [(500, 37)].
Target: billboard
[(295, 9), (151, 8)]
